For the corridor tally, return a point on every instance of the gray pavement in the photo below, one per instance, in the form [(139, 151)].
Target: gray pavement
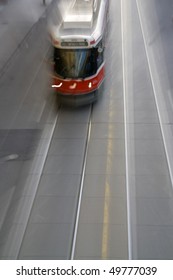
[(149, 180), (42, 147), (25, 106), (17, 17)]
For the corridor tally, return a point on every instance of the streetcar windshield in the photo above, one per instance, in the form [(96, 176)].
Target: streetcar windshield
[(75, 63)]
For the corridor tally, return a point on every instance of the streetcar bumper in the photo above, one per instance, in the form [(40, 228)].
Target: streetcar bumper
[(79, 99)]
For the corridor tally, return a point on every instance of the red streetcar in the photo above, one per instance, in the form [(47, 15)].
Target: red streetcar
[(77, 29)]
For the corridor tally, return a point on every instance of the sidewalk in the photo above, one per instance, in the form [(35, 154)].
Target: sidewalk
[(16, 19)]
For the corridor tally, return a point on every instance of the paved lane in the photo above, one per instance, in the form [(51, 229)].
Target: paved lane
[(52, 219), (149, 181), (126, 205), (25, 122), (16, 20), (102, 230)]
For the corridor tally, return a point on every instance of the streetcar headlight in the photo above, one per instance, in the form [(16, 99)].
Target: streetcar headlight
[(90, 85), (57, 86)]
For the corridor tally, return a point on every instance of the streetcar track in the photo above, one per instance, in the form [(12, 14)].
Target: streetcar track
[(79, 200), (41, 164)]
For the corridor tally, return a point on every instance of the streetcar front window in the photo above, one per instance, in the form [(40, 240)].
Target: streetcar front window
[(75, 63)]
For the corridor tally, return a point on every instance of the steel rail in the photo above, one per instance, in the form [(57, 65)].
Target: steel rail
[(79, 200)]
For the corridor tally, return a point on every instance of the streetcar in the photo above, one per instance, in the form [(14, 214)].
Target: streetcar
[(77, 29)]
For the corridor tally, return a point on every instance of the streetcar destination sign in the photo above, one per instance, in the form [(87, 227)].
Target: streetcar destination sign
[(74, 44)]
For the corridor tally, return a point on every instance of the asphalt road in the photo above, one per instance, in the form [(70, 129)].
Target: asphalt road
[(93, 182)]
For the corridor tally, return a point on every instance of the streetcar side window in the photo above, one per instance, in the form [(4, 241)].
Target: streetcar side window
[(100, 51)]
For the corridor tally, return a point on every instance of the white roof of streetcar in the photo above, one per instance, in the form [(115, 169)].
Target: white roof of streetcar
[(77, 20)]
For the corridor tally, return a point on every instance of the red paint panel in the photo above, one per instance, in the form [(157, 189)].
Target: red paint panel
[(79, 86)]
